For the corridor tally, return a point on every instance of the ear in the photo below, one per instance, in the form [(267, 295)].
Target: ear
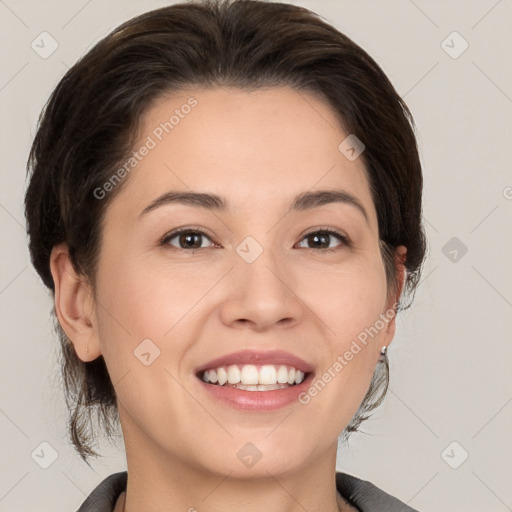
[(74, 305), (392, 302)]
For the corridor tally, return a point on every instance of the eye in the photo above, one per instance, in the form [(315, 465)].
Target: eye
[(187, 238), (321, 237)]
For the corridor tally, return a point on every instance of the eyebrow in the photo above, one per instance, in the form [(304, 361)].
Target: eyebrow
[(302, 202)]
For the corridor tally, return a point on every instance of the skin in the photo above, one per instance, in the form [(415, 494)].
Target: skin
[(258, 150)]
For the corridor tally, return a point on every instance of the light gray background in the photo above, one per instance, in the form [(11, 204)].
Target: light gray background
[(451, 358)]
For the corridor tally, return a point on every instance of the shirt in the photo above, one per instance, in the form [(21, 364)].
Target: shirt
[(361, 494)]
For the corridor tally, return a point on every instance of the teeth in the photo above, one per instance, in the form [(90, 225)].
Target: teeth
[(267, 375), (282, 374), (234, 375), (248, 375), (253, 378), (222, 376)]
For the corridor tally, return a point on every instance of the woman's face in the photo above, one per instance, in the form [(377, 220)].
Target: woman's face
[(252, 275)]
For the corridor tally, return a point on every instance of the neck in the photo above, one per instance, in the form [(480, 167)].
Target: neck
[(159, 483)]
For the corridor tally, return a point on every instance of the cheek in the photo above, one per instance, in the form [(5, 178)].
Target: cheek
[(350, 303), (142, 298), (349, 298), (128, 309)]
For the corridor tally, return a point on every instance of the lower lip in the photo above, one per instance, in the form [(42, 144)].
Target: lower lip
[(257, 400)]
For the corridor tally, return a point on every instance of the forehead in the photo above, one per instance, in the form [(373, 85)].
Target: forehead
[(259, 149)]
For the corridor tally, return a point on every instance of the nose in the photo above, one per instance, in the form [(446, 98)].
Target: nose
[(262, 294)]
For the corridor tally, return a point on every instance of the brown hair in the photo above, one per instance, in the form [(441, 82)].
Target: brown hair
[(90, 123)]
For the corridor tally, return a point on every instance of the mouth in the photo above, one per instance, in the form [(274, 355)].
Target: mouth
[(254, 398), (252, 370), (251, 377)]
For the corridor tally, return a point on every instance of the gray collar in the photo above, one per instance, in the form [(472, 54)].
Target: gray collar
[(359, 493)]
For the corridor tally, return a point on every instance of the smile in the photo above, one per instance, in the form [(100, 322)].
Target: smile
[(252, 377)]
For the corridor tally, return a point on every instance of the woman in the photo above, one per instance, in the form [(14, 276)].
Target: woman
[(225, 201)]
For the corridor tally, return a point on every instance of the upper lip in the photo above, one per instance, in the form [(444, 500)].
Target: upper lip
[(257, 357)]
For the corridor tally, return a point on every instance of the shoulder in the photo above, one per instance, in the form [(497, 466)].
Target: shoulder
[(367, 497), (104, 496)]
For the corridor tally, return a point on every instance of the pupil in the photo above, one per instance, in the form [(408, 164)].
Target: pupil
[(187, 237), (317, 237)]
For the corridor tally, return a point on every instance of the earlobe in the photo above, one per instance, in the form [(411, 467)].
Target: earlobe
[(74, 305)]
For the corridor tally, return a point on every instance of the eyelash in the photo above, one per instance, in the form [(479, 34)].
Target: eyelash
[(325, 231)]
